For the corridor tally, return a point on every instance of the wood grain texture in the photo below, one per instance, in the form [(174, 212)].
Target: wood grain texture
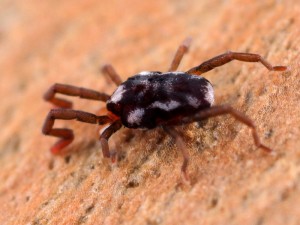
[(233, 182)]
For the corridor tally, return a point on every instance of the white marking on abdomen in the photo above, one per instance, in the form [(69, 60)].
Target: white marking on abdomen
[(209, 95), (193, 101), (135, 116), (167, 106), (118, 94), (144, 73)]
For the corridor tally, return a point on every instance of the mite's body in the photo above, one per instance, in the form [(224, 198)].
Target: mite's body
[(149, 100)]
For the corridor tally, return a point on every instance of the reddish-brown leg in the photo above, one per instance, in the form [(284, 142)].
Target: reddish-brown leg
[(67, 135), (182, 147), (182, 49), (228, 57), (111, 72), (72, 91), (226, 109), (105, 135)]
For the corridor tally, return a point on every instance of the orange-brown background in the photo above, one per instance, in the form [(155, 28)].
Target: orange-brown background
[(233, 182)]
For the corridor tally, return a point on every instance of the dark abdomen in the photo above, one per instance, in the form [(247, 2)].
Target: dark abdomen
[(150, 99)]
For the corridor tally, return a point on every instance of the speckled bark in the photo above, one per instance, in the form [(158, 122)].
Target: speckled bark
[(233, 182)]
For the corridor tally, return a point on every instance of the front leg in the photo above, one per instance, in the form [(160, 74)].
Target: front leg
[(111, 72), (105, 135), (66, 135), (72, 91)]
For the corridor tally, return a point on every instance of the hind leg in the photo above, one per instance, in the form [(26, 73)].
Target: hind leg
[(226, 109), (227, 57)]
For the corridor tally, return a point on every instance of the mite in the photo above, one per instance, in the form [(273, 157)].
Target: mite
[(151, 99)]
